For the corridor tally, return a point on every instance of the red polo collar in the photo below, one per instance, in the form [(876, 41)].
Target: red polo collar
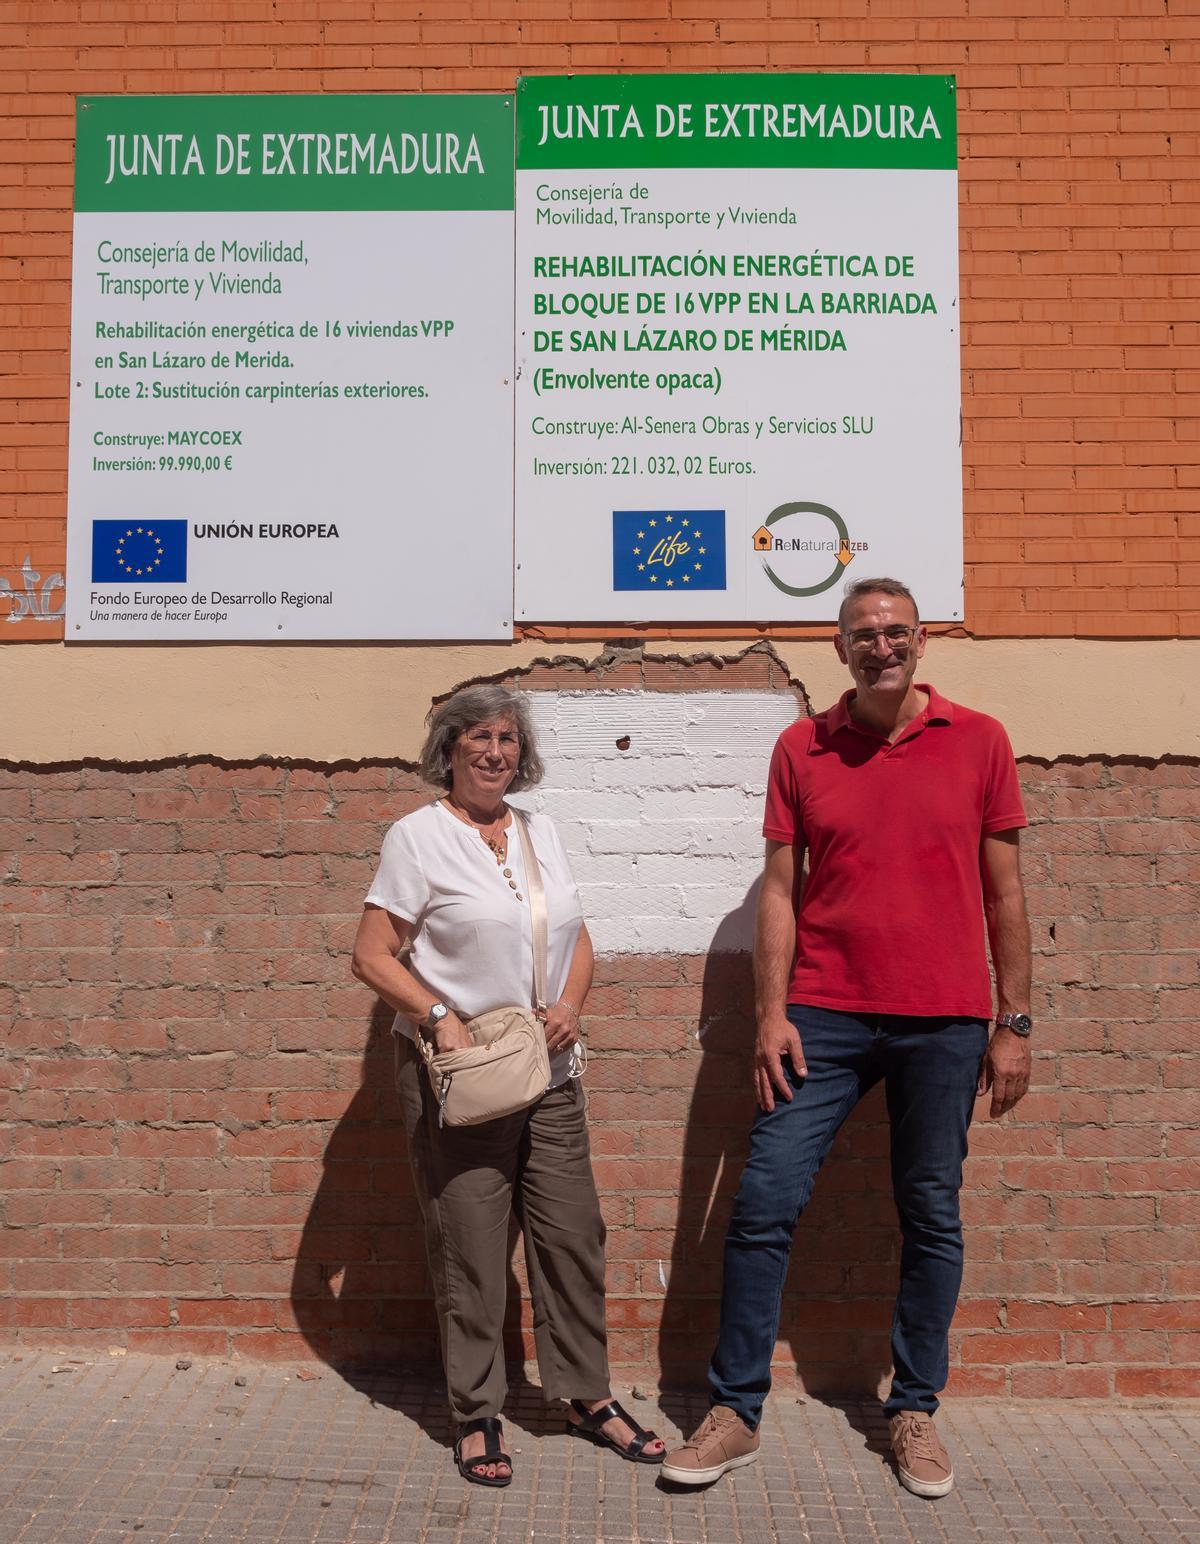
[(938, 710)]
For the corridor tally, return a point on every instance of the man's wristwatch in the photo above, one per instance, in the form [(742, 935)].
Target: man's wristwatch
[(1020, 1023), (432, 1021)]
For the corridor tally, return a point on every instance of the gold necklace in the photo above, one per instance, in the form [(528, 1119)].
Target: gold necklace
[(496, 843)]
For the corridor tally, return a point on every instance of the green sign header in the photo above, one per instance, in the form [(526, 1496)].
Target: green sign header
[(265, 153), (611, 122)]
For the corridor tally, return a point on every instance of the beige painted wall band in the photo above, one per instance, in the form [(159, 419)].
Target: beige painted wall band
[(339, 702)]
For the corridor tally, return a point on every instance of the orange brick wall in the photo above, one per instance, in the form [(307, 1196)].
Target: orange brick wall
[(1080, 188), (200, 1150)]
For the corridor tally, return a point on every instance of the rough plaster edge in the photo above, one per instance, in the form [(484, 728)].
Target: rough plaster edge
[(202, 759), (618, 652), (399, 764)]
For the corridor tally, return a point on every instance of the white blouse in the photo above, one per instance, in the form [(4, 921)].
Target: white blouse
[(472, 941)]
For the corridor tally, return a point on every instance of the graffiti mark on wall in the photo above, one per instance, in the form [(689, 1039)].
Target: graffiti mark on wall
[(34, 604)]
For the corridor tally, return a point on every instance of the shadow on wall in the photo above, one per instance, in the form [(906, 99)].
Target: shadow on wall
[(837, 1304), (360, 1292)]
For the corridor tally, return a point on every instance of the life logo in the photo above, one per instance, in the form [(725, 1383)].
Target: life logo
[(668, 549), (805, 548)]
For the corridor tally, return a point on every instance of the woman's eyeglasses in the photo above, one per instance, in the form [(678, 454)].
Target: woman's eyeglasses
[(509, 740)]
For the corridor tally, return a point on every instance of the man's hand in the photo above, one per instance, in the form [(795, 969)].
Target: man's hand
[(1005, 1070), (774, 950), (777, 1037), (1005, 1067)]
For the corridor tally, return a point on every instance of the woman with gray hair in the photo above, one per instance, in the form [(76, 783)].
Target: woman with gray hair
[(452, 892)]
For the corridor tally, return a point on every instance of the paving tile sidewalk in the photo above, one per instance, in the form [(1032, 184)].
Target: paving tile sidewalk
[(134, 1448)]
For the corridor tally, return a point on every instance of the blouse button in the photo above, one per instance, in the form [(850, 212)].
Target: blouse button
[(508, 873), (512, 884), (520, 897)]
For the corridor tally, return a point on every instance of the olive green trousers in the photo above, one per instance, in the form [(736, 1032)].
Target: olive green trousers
[(469, 1180)]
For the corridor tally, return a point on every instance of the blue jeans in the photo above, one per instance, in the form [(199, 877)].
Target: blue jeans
[(930, 1068)]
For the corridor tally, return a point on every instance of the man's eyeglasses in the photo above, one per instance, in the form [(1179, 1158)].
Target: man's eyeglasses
[(897, 637)]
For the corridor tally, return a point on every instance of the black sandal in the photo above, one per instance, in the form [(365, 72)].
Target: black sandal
[(492, 1453), (590, 1422)]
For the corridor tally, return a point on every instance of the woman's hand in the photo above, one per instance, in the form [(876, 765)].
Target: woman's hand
[(452, 1035), (562, 1026)]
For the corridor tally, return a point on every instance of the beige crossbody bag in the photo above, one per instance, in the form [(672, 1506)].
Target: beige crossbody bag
[(508, 1067)]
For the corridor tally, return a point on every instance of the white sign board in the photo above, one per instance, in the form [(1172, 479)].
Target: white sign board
[(291, 368), (738, 346)]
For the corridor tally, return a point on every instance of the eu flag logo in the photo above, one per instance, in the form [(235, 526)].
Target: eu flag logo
[(142, 551), (676, 549)]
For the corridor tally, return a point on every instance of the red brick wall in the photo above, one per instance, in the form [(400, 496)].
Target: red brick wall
[(1079, 210), (201, 1151)]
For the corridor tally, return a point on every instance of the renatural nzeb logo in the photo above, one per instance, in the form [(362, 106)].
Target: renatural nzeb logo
[(809, 546)]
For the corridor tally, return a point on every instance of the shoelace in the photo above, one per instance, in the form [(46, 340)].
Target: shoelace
[(920, 1436), (709, 1427)]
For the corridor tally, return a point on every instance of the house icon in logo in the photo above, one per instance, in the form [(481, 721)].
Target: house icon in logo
[(762, 539)]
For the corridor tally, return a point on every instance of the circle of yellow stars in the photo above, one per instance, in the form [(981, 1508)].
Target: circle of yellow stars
[(140, 530), (684, 530)]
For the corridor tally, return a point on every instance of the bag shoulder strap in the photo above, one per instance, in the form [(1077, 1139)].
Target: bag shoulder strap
[(537, 908)]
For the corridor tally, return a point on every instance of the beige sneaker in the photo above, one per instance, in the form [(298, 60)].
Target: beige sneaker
[(721, 1442), (924, 1464)]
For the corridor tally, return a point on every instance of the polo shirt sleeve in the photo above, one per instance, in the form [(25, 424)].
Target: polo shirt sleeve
[(1002, 806), (400, 885), (781, 821)]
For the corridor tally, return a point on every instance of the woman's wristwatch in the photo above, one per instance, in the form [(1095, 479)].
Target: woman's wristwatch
[(1020, 1023), (432, 1021)]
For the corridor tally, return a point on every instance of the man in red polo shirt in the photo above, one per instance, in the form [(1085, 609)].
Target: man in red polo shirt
[(874, 967)]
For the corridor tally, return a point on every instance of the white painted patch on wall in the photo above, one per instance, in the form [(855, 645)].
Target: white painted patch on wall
[(665, 836)]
